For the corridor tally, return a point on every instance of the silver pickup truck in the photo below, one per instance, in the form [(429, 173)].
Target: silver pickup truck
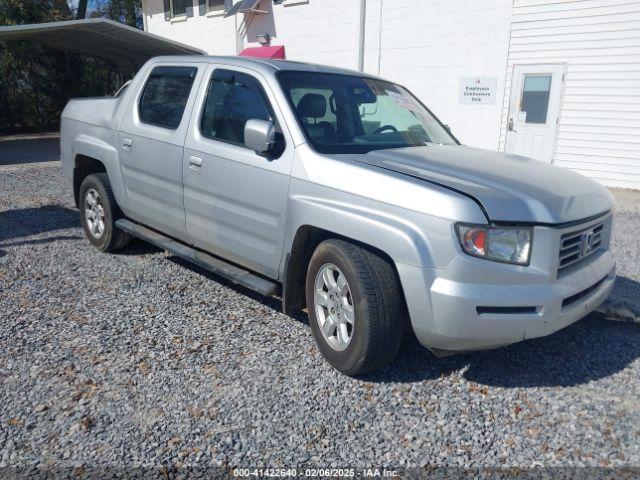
[(342, 193)]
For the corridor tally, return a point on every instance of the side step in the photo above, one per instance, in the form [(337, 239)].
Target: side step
[(208, 262)]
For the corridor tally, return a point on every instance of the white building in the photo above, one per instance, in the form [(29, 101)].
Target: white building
[(558, 80)]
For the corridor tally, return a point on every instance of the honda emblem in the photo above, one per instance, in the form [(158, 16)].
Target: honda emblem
[(587, 243)]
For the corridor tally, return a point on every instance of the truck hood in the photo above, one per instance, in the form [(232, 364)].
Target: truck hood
[(510, 188)]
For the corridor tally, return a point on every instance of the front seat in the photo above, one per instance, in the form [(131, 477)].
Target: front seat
[(314, 106)]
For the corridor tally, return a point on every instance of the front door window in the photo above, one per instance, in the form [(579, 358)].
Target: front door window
[(233, 98)]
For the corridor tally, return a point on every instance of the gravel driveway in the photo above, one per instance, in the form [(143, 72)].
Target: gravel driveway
[(138, 359)]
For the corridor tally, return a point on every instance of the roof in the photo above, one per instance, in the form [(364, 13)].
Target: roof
[(127, 48), (268, 64)]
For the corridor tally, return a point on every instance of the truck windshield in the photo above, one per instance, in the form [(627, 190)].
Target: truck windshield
[(350, 114)]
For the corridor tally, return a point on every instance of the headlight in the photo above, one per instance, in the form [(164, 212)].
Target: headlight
[(500, 244)]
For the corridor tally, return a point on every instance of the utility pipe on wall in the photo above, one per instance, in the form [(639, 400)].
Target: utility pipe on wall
[(363, 18), (238, 37), (380, 38)]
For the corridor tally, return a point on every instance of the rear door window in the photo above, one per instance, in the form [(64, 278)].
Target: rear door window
[(165, 96)]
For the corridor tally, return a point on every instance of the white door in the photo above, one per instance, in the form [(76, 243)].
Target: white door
[(534, 108)]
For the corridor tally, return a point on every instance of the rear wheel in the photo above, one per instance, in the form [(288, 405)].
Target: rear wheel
[(99, 211), (355, 307)]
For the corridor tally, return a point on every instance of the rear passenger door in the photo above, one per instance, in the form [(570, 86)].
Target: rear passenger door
[(151, 143), (235, 199)]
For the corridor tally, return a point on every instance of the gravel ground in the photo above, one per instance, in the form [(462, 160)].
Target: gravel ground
[(139, 360), (624, 303)]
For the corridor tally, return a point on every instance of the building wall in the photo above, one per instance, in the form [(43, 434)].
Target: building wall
[(425, 45), (428, 45), (213, 34), (599, 41), (318, 31)]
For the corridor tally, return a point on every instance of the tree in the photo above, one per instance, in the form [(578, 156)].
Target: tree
[(36, 81), (28, 71), (17, 12), (128, 12), (82, 9)]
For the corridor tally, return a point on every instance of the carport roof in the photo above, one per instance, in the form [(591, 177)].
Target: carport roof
[(127, 48)]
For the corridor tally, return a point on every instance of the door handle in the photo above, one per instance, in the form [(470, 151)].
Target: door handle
[(127, 143), (510, 126), (195, 162)]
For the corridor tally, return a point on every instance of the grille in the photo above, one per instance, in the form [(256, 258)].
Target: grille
[(579, 244)]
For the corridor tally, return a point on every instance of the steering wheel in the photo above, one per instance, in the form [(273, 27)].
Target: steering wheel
[(383, 128)]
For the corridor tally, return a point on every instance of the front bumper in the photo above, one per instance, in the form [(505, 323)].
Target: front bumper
[(460, 315)]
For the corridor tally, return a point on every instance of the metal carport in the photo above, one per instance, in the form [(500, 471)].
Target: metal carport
[(127, 48)]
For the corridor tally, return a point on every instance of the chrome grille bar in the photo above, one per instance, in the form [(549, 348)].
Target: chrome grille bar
[(577, 245)]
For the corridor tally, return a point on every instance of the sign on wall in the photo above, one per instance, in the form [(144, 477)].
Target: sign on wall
[(478, 90)]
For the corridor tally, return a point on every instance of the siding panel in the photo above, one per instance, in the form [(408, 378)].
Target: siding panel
[(599, 40)]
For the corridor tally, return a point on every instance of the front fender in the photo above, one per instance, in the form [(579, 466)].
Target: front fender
[(397, 237), (417, 243), (414, 241), (406, 236)]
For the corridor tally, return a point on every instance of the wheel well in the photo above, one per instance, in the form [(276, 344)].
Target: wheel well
[(84, 166), (304, 244)]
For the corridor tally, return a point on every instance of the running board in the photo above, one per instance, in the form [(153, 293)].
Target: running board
[(208, 262)]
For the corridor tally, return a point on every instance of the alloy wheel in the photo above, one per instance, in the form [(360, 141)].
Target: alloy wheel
[(94, 213), (334, 306)]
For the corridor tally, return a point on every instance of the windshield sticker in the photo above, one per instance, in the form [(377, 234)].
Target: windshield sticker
[(403, 101)]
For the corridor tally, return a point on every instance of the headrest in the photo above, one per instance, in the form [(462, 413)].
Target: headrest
[(312, 105)]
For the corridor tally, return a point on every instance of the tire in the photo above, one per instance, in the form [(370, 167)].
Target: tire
[(99, 221), (373, 300)]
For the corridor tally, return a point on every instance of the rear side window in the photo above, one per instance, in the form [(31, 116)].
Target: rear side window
[(232, 99), (165, 96)]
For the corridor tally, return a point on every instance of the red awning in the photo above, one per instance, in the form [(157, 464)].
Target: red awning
[(264, 52)]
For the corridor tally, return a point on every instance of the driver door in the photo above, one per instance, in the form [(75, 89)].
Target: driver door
[(235, 200)]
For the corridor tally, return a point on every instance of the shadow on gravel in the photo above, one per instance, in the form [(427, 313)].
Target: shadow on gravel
[(591, 349), (138, 247), (626, 293), (24, 222), (270, 302)]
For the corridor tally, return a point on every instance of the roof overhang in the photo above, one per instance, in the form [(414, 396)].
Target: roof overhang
[(245, 6), (127, 48)]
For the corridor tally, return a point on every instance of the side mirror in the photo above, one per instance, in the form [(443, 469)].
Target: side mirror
[(259, 135)]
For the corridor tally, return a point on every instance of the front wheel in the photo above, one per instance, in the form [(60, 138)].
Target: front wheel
[(99, 211), (355, 307)]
